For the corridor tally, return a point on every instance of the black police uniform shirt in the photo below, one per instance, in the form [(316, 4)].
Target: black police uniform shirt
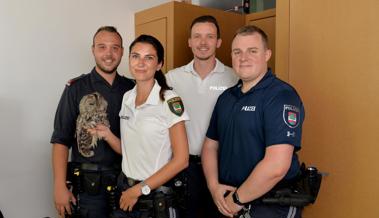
[(68, 112), (245, 124)]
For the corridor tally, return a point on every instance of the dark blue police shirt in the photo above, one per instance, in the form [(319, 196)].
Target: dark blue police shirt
[(68, 111), (245, 124)]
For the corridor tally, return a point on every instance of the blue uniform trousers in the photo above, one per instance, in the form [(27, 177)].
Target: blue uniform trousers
[(274, 211)]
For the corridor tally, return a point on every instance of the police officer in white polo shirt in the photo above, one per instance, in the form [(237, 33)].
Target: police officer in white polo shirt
[(153, 137), (199, 83)]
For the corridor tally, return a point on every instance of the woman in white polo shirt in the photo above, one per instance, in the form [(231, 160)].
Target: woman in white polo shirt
[(153, 137)]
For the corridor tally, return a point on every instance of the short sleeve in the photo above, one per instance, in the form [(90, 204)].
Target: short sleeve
[(174, 109), (65, 119), (283, 119)]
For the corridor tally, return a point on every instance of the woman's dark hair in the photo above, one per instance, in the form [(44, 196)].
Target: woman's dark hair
[(160, 53)]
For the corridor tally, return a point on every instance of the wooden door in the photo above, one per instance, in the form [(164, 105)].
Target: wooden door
[(158, 29), (170, 23), (266, 21), (333, 63)]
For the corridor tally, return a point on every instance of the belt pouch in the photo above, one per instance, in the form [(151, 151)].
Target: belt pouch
[(160, 205), (91, 182)]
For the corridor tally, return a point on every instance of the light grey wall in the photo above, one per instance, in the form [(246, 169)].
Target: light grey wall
[(43, 43)]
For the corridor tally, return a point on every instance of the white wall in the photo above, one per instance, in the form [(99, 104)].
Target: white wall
[(43, 43)]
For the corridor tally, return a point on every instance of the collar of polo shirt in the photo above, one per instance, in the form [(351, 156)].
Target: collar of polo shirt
[(153, 98), (219, 68)]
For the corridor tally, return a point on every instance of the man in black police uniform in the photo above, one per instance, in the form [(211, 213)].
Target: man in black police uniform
[(104, 83), (254, 133)]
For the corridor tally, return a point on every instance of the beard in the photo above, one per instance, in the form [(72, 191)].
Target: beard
[(107, 70)]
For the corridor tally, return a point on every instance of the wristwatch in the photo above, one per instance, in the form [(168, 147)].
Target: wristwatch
[(236, 199), (145, 189)]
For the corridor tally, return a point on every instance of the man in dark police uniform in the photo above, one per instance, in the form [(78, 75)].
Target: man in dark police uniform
[(87, 101), (253, 135)]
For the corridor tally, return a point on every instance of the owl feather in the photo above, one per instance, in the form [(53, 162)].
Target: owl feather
[(92, 111)]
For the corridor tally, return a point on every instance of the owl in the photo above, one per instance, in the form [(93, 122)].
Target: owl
[(92, 111)]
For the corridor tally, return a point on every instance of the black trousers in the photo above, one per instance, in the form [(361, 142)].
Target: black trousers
[(199, 200), (94, 206)]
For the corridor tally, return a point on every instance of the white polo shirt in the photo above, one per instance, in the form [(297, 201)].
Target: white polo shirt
[(199, 97), (145, 139)]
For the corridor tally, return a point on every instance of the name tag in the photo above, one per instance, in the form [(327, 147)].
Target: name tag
[(248, 108), (124, 117), (218, 88)]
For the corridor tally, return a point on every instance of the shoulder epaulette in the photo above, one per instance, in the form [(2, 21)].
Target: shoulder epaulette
[(73, 80)]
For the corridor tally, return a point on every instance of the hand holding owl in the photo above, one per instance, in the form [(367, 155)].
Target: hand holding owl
[(100, 131)]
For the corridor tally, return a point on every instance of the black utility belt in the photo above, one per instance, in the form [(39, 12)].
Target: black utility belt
[(157, 202), (300, 192), (195, 159), (131, 182), (91, 178), (95, 167)]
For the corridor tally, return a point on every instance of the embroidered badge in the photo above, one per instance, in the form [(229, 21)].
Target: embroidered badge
[(291, 115), (176, 106)]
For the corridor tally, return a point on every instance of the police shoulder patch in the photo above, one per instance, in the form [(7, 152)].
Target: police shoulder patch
[(291, 115), (176, 106), (73, 80)]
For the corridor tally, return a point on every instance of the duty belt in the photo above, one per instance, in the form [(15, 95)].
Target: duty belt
[(164, 189), (195, 159), (95, 167)]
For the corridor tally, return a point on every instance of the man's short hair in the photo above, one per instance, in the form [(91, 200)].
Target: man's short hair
[(250, 30), (110, 29), (206, 19)]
